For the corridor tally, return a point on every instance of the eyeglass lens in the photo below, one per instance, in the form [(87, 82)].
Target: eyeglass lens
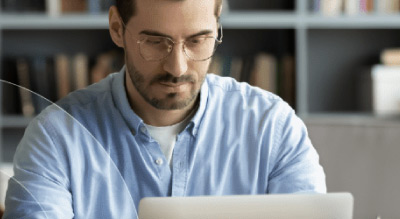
[(155, 48)]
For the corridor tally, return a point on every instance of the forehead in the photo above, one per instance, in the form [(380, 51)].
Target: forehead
[(174, 16)]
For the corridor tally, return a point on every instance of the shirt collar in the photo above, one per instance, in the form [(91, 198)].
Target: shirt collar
[(121, 101), (197, 118), (134, 121)]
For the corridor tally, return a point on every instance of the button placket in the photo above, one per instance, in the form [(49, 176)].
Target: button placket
[(159, 161), (179, 174)]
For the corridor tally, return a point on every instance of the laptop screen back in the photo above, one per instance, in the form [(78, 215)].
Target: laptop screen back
[(280, 206)]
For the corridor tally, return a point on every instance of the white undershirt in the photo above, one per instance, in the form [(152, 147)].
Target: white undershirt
[(166, 136)]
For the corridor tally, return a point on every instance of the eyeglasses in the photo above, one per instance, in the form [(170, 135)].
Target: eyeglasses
[(198, 48)]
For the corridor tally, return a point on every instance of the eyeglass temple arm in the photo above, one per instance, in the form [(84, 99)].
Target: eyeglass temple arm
[(222, 34)]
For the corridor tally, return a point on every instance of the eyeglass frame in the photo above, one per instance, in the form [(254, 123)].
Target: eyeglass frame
[(217, 41)]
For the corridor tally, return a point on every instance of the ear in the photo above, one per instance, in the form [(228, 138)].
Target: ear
[(219, 10), (116, 27)]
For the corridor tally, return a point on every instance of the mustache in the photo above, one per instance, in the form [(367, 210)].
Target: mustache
[(171, 79)]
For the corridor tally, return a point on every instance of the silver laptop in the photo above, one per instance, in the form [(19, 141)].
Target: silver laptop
[(280, 206)]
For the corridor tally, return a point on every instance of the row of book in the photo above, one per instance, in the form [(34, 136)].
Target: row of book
[(51, 77), (56, 7), (355, 7), (266, 71)]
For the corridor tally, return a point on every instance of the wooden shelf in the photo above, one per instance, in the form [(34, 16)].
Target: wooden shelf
[(354, 22), (258, 20), (43, 21), (230, 20), (352, 119)]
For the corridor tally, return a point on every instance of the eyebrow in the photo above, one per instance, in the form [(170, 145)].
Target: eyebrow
[(156, 33)]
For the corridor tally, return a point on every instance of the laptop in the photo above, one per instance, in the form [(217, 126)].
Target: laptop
[(277, 206)]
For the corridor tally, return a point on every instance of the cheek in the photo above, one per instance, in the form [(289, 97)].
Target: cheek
[(200, 67), (142, 66), (145, 67)]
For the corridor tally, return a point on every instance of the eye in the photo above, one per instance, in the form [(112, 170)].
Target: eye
[(196, 40), (153, 41)]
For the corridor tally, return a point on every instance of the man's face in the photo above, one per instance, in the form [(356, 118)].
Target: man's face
[(174, 82)]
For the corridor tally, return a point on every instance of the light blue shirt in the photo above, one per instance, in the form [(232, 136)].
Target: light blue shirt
[(97, 160)]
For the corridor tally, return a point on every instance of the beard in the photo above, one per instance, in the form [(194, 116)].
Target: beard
[(170, 101)]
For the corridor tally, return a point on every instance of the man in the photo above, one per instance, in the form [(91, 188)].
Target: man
[(160, 127)]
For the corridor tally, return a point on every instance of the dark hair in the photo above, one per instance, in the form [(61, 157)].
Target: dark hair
[(126, 8)]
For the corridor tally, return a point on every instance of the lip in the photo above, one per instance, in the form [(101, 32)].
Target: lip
[(169, 84), (175, 87)]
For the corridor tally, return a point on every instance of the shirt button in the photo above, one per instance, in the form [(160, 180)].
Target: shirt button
[(143, 129), (159, 161)]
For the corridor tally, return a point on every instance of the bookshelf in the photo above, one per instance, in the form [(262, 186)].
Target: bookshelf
[(329, 51)]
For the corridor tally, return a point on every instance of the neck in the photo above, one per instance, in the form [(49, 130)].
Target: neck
[(151, 115)]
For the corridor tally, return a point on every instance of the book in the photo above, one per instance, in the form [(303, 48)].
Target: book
[(106, 63), (395, 6), (56, 8), (370, 6), (42, 82), (73, 6), (94, 6), (264, 72), (316, 6), (53, 8), (331, 7), (236, 68), (248, 66), (287, 88), (62, 72), (386, 6), (25, 92), (215, 65), (10, 96), (380, 6), (99, 6), (363, 7), (352, 7), (80, 71), (101, 68)]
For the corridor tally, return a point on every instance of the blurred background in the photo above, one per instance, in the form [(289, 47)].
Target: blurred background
[(336, 62)]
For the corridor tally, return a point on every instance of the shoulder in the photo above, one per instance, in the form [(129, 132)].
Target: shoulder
[(228, 90), (82, 107), (88, 95)]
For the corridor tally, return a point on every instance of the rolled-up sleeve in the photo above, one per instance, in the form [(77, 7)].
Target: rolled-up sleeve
[(295, 162)]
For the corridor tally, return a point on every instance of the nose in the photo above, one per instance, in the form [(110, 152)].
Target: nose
[(176, 63)]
